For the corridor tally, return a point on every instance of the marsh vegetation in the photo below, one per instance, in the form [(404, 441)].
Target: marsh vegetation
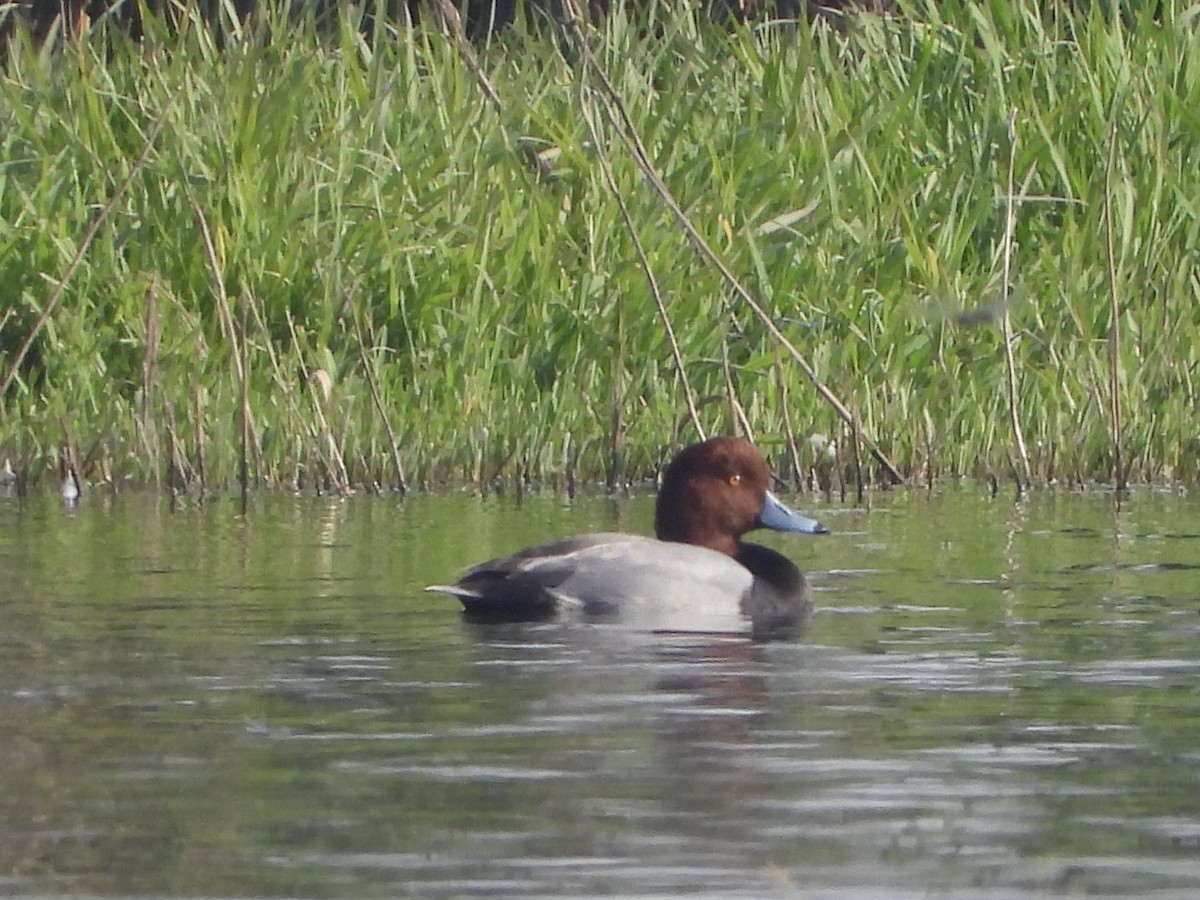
[(342, 256)]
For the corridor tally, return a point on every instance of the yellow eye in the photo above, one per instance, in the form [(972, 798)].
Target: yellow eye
[(735, 480)]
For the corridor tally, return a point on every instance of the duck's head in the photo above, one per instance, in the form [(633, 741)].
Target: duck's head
[(715, 491)]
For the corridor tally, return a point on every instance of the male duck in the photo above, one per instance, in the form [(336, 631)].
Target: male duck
[(697, 576)]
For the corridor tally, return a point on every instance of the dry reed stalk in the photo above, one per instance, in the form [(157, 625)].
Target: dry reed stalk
[(617, 379), (89, 235), (368, 372), (335, 464), (617, 458), (855, 446), (238, 352), (1114, 324), (793, 447), (610, 180), (738, 422), (178, 475), (623, 122), (243, 409), (1006, 317), (930, 466), (198, 437), (450, 24), (286, 386), (149, 379), (8, 314), (224, 311)]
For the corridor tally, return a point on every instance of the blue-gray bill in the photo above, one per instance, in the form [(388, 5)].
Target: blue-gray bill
[(778, 517)]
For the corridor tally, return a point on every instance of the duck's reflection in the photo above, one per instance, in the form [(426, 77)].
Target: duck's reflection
[(701, 696)]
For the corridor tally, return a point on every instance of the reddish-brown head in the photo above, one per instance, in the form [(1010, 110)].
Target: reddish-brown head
[(715, 491)]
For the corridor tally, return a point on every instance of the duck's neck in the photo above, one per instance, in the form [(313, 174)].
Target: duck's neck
[(684, 515), (680, 531)]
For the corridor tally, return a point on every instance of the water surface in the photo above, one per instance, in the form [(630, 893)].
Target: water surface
[(994, 700)]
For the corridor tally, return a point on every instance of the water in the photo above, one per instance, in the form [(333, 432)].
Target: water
[(994, 700)]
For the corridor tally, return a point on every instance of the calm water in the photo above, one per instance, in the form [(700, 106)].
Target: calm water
[(994, 700)]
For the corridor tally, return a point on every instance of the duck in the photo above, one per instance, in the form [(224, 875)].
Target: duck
[(696, 575), (70, 487)]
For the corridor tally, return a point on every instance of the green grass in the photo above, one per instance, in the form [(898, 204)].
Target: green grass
[(373, 224)]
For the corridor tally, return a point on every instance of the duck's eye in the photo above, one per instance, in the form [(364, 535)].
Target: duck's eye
[(735, 480)]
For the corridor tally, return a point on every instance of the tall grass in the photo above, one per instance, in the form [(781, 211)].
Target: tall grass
[(347, 214)]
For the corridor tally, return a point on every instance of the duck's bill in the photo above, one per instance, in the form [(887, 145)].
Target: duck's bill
[(778, 517)]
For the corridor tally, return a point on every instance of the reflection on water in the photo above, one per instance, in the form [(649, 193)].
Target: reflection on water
[(993, 701)]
